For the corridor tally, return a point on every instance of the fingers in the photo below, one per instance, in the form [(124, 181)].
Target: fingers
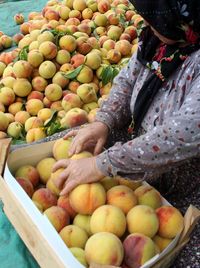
[(77, 144), (60, 180), (71, 133), (63, 163), (69, 186), (99, 146)]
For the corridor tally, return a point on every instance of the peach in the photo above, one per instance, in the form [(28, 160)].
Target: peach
[(161, 242), (8, 81), (33, 122), (35, 95), (2, 108), (22, 87), (101, 20), (68, 3), (138, 249), (92, 115), (8, 71), (14, 130), (109, 182), (74, 117), (44, 114), (15, 107), (53, 92), (34, 34), (11, 117), (25, 41), (85, 198), (56, 106), (45, 198), (64, 12), (132, 31), (83, 221), (124, 47), (110, 250), (22, 69), (86, 93), (114, 32), (77, 60), (73, 85), (63, 202), (90, 106), (66, 67), (125, 36), (70, 101), (48, 50), (6, 41), (24, 28), (33, 106), (28, 172), (26, 185), (114, 56), (35, 58), (93, 42), (101, 30), (134, 48), (147, 195), (142, 219), (63, 56), (7, 96), (44, 168), (121, 196), (108, 44), (73, 22), (35, 134), (19, 18), (21, 117), (79, 254), (103, 6), (2, 68), (51, 182), (68, 43), (51, 15), (74, 236), (83, 154), (4, 122), (130, 183), (3, 135), (79, 5), (45, 36), (108, 218), (58, 217), (39, 83), (93, 60), (113, 19), (87, 13), (75, 14), (47, 69), (170, 221), (60, 79), (92, 4), (60, 149)]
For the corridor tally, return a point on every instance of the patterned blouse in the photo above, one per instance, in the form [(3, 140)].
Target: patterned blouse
[(171, 125)]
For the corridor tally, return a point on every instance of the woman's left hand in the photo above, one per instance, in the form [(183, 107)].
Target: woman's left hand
[(76, 172)]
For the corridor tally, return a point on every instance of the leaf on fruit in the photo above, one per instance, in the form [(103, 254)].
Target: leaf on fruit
[(108, 74), (73, 74), (54, 128), (23, 54), (96, 35), (52, 119), (17, 142)]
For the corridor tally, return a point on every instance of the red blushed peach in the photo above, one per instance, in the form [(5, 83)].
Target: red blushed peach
[(129, 14), (63, 56), (124, 47), (48, 50), (21, 117), (39, 83), (26, 185), (7, 96), (68, 43), (63, 202), (56, 105), (73, 85), (83, 47), (125, 36), (114, 56), (60, 80), (103, 6), (15, 107), (103, 39), (45, 198), (66, 67), (58, 217), (19, 18), (35, 134), (84, 28), (170, 221), (72, 21), (35, 95), (33, 122), (22, 69), (77, 60), (24, 28), (138, 249), (6, 41), (28, 172), (70, 101), (74, 117), (33, 106), (113, 19), (85, 198), (53, 92), (17, 37), (132, 31), (51, 15)]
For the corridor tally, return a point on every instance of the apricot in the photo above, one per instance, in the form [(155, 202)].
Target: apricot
[(28, 172), (74, 236), (44, 168), (45, 198)]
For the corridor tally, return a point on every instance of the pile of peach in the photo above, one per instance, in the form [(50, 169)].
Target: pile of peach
[(125, 222), (37, 78)]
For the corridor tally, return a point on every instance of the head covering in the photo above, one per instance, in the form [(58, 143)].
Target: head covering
[(175, 20)]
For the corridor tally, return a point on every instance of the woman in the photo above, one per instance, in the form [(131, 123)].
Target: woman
[(160, 91)]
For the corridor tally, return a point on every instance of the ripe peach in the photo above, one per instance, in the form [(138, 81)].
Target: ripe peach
[(56, 106), (33, 106), (48, 49), (64, 12), (161, 242), (87, 13), (74, 117), (60, 80), (83, 154), (92, 4), (109, 182), (83, 221), (58, 217), (113, 19), (74, 236), (28, 172), (51, 182), (79, 5), (35, 58), (6, 41), (8, 81), (22, 87), (4, 122), (2, 108), (33, 122), (7, 96), (101, 20), (75, 14), (131, 30), (14, 129), (170, 221), (77, 60), (22, 69), (147, 195), (21, 117), (124, 47), (45, 114), (85, 198), (110, 250), (8, 71), (51, 15), (87, 93), (60, 149), (83, 46), (114, 32), (79, 254), (45, 36), (114, 56), (63, 56), (17, 37), (45, 198), (19, 18), (68, 43), (35, 95), (104, 6), (44, 168), (125, 36), (138, 249), (25, 41), (35, 134), (39, 83), (47, 69), (142, 219), (70, 101), (15, 107), (93, 60), (2, 68), (26, 185), (108, 44), (68, 3), (53, 92), (11, 117), (63, 202), (130, 183)]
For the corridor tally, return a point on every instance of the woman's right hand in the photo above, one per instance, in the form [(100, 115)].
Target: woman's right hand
[(92, 135)]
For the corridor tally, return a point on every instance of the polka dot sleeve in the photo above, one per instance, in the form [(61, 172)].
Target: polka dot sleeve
[(115, 111), (162, 147)]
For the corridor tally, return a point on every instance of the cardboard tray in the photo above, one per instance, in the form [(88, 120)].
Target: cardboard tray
[(35, 229)]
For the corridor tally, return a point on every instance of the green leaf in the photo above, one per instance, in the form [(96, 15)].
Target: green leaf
[(115, 72), (23, 54), (73, 74), (52, 119), (53, 128), (107, 75), (16, 142), (96, 35)]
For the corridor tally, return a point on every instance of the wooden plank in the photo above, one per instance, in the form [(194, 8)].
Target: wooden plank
[(4, 147), (29, 233)]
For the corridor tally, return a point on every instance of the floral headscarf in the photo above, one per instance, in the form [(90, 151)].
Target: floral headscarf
[(175, 20)]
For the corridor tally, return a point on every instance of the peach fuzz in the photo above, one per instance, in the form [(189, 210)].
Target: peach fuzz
[(70, 101), (15, 107), (68, 43), (61, 148), (33, 106), (85, 198), (51, 182), (44, 168), (33, 122), (21, 117), (122, 197), (7, 96), (53, 92), (35, 58), (148, 196), (14, 129), (58, 217), (87, 93), (83, 221), (22, 69), (45, 36), (8, 81), (79, 254), (60, 79), (161, 242), (74, 236), (35, 134), (26, 185), (171, 221), (22, 87), (28, 172), (63, 202), (110, 250), (108, 218), (39, 83), (124, 47), (142, 219), (48, 50), (45, 198), (138, 249), (63, 56), (74, 117), (47, 69)]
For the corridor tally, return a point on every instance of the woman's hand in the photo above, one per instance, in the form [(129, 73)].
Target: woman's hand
[(92, 135), (76, 172)]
